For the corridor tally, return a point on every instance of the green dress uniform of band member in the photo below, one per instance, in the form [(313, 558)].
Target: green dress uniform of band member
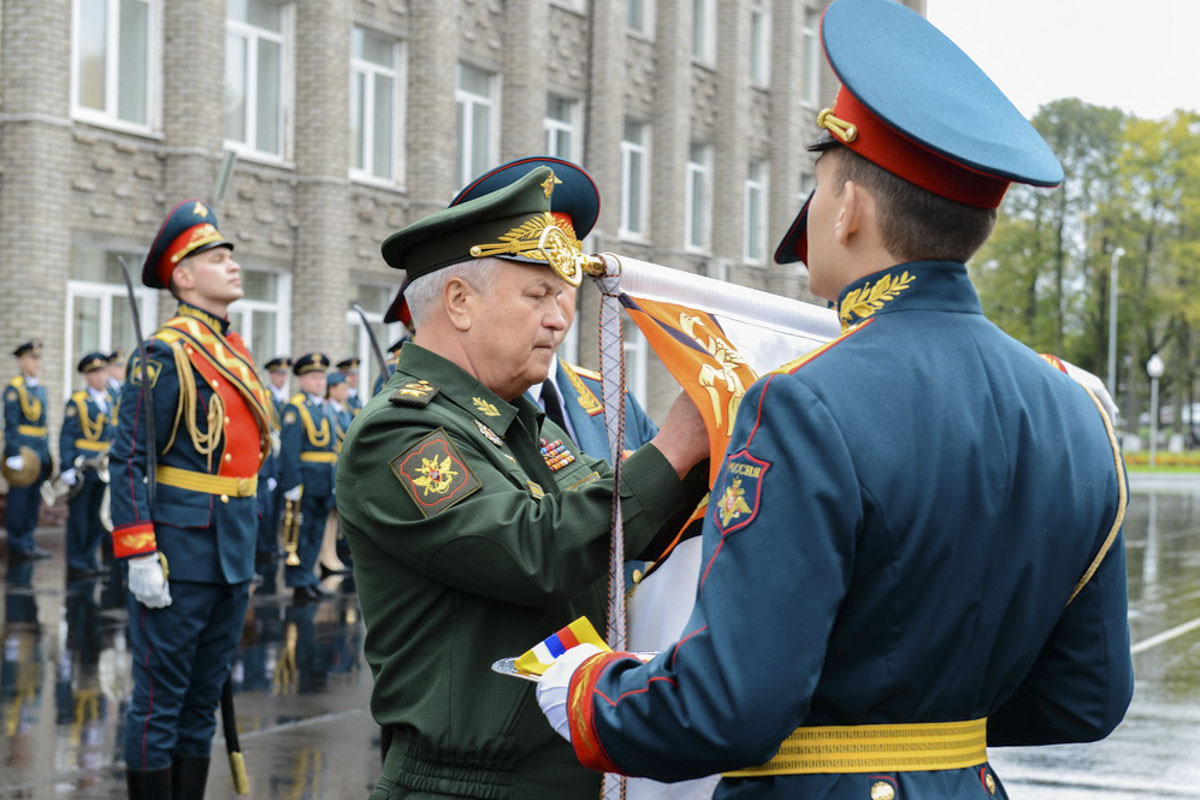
[(307, 464), (87, 433), (474, 523), (191, 551), (26, 452), (913, 551)]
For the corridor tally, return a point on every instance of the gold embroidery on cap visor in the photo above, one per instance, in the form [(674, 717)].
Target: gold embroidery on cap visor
[(541, 238)]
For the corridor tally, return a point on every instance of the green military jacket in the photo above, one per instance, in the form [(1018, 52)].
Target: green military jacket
[(470, 544)]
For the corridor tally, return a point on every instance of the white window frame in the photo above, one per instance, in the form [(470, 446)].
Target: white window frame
[(637, 359), (648, 12), (551, 127), (578, 6), (108, 117), (811, 82), (704, 31), (248, 149), (109, 294), (630, 149), (281, 307), (755, 230), (698, 172), (469, 101), (398, 75), (760, 43)]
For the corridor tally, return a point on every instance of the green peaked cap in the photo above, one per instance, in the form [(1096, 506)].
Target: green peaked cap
[(513, 223)]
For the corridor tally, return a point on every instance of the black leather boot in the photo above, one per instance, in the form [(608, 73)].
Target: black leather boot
[(149, 784), (188, 776)]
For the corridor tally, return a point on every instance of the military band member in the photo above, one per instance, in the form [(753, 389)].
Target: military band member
[(337, 398), (27, 461), (190, 550), (116, 372), (913, 550), (349, 368), (472, 519), (307, 463), (87, 434), (278, 370)]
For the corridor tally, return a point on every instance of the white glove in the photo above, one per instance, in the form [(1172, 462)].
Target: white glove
[(15, 463), (552, 688), (271, 484), (148, 582), (293, 494), (70, 477)]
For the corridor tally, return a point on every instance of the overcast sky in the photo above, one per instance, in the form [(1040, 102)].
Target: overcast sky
[(1142, 56)]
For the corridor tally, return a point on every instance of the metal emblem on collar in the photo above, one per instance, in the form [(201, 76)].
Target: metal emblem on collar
[(489, 434)]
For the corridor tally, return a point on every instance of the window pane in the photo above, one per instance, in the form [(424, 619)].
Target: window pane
[(236, 9), (481, 127), (558, 108), (235, 88), (267, 112), (122, 335), (464, 171), (373, 299), (93, 52), (633, 132), (87, 264), (134, 57), (357, 121), (259, 285), (85, 329), (377, 50), (265, 14), (562, 144), (635, 192), (382, 158), (473, 80), (635, 14), (262, 340)]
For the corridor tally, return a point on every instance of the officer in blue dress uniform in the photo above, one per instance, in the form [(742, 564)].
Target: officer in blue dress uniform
[(26, 451), (349, 368), (189, 539), (913, 549), (270, 501), (307, 465), (87, 433)]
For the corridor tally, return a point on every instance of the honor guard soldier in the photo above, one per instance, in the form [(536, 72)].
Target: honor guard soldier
[(189, 536), (913, 550), (87, 434), (349, 368), (277, 381), (116, 372), (473, 519), (307, 464), (26, 451)]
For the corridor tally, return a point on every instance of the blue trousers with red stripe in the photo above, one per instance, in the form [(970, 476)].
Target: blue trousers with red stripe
[(181, 658)]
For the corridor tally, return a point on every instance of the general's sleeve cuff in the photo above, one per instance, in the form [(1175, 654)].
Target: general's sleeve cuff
[(134, 539), (581, 712)]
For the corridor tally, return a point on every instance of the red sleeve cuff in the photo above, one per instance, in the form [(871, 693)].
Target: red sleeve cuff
[(134, 539), (581, 711)]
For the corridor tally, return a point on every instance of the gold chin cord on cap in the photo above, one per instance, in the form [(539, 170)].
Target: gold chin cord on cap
[(843, 130)]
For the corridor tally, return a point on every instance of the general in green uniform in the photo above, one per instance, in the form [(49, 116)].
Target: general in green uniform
[(475, 524)]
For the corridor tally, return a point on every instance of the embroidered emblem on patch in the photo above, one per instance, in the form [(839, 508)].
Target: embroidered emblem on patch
[(489, 434), (70, 412), (11, 394), (289, 418), (486, 407), (135, 372), (434, 474), (737, 504)]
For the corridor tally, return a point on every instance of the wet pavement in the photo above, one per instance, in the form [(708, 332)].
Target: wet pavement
[(301, 685)]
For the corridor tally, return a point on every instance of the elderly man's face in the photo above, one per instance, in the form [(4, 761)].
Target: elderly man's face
[(515, 327), (566, 303)]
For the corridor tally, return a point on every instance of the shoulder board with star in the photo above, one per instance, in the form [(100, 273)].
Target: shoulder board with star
[(416, 393)]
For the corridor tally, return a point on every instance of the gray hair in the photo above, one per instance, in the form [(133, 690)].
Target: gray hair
[(425, 292)]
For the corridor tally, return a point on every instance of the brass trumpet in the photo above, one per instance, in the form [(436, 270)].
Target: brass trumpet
[(292, 517), (54, 490)]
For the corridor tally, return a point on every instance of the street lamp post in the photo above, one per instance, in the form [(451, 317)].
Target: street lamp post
[(1112, 322), (1154, 368)]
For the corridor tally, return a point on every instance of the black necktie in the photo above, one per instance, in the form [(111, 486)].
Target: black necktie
[(553, 405)]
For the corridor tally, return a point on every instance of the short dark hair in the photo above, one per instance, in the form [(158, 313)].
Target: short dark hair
[(915, 223)]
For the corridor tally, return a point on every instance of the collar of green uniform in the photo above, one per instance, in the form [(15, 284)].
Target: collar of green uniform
[(210, 319), (913, 286), (458, 386)]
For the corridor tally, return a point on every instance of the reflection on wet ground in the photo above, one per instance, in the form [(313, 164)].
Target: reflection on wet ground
[(302, 686)]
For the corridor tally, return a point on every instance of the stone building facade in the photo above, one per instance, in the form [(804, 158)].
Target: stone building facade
[(318, 127)]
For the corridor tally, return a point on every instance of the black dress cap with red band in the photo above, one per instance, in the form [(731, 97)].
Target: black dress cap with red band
[(916, 105), (190, 228)]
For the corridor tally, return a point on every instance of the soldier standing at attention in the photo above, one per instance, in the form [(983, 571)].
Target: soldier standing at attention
[(277, 381), (307, 464), (26, 452), (473, 520), (349, 368), (87, 432), (190, 543), (913, 550), (116, 372)]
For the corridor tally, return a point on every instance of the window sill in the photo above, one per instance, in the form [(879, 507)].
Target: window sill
[(115, 125)]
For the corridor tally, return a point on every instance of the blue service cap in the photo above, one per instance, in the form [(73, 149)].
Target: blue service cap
[(334, 378), (311, 362), (916, 105), (278, 364), (92, 362), (31, 348), (190, 228)]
